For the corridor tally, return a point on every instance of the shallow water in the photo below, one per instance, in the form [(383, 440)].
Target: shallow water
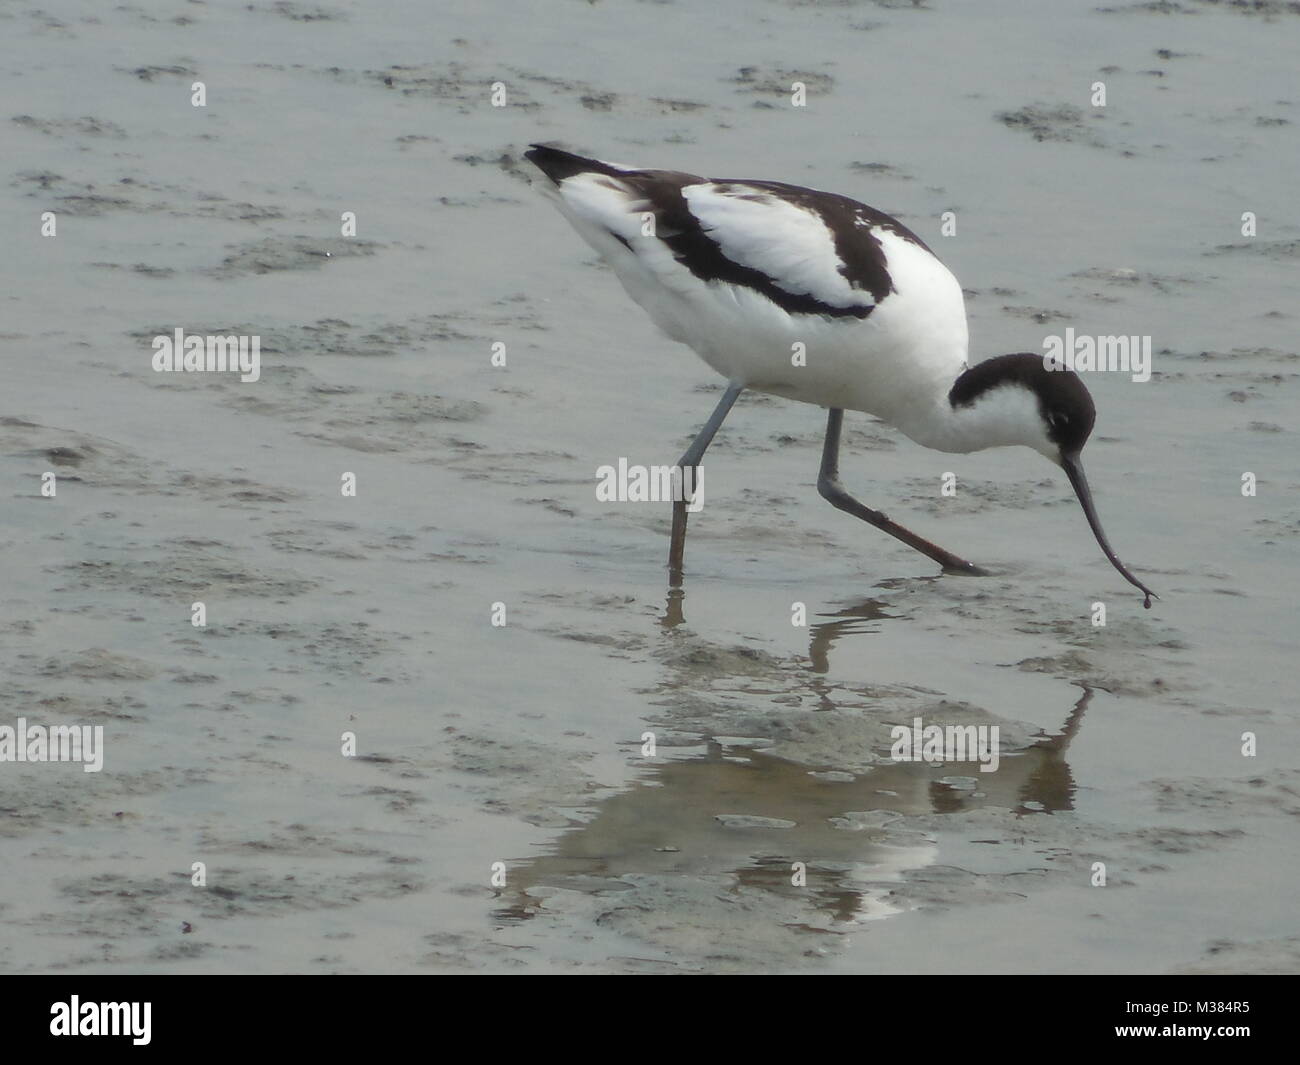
[(522, 744)]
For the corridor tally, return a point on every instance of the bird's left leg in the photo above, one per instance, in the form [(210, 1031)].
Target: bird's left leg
[(691, 459)]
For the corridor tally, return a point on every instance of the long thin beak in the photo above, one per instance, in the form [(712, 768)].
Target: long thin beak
[(1074, 470)]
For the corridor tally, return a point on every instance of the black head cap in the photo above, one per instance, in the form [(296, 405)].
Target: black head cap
[(1063, 401)]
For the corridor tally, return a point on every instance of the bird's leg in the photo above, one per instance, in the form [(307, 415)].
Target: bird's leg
[(828, 484), (691, 459)]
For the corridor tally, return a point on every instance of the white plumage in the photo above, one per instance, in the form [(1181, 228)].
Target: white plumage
[(818, 298), (891, 363)]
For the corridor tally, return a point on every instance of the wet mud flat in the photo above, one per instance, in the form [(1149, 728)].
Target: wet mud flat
[(505, 810)]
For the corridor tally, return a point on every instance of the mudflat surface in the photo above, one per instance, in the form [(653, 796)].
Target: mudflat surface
[(522, 744)]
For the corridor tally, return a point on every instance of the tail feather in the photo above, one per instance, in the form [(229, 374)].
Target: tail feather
[(558, 165)]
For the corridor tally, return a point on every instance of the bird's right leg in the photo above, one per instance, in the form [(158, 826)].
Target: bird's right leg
[(828, 484), (691, 459)]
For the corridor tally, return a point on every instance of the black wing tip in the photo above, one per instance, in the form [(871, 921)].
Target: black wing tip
[(557, 164)]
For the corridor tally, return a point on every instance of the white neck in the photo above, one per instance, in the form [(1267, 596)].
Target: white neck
[(1002, 417)]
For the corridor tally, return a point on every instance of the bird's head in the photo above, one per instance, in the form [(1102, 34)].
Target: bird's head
[(1023, 401)]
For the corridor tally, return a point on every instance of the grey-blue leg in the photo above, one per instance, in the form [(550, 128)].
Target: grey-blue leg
[(828, 484), (691, 459)]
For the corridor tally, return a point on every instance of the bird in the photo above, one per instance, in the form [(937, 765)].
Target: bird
[(817, 298)]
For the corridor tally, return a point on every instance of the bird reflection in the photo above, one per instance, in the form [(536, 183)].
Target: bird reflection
[(851, 832)]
